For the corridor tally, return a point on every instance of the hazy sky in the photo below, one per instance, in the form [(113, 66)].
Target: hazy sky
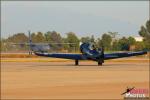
[(82, 17)]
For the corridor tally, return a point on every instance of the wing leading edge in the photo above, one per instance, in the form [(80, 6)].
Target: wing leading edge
[(83, 57), (62, 55), (121, 55)]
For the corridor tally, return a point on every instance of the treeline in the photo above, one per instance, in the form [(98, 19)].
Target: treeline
[(109, 40)]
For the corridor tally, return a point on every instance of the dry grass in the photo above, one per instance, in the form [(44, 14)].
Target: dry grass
[(33, 60), (18, 56), (125, 60)]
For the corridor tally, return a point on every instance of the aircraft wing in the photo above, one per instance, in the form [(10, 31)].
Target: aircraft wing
[(121, 55), (62, 55)]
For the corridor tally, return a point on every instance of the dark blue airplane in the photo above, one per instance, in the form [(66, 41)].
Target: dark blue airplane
[(88, 52)]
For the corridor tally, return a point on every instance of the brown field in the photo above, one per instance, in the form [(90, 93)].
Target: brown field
[(48, 79), (19, 55)]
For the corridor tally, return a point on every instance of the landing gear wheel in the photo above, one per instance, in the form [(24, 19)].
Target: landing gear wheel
[(76, 62), (100, 63)]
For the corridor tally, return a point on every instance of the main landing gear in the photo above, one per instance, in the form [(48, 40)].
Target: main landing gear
[(100, 63), (76, 62)]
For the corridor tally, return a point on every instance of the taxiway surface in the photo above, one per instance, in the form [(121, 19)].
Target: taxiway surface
[(63, 80)]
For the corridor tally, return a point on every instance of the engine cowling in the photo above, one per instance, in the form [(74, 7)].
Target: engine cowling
[(90, 51)]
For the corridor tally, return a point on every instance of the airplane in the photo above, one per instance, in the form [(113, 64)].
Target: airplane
[(88, 52)]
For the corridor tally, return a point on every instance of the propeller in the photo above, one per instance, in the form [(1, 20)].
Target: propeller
[(100, 59), (102, 54)]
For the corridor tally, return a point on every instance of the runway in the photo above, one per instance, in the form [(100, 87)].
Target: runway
[(63, 80)]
